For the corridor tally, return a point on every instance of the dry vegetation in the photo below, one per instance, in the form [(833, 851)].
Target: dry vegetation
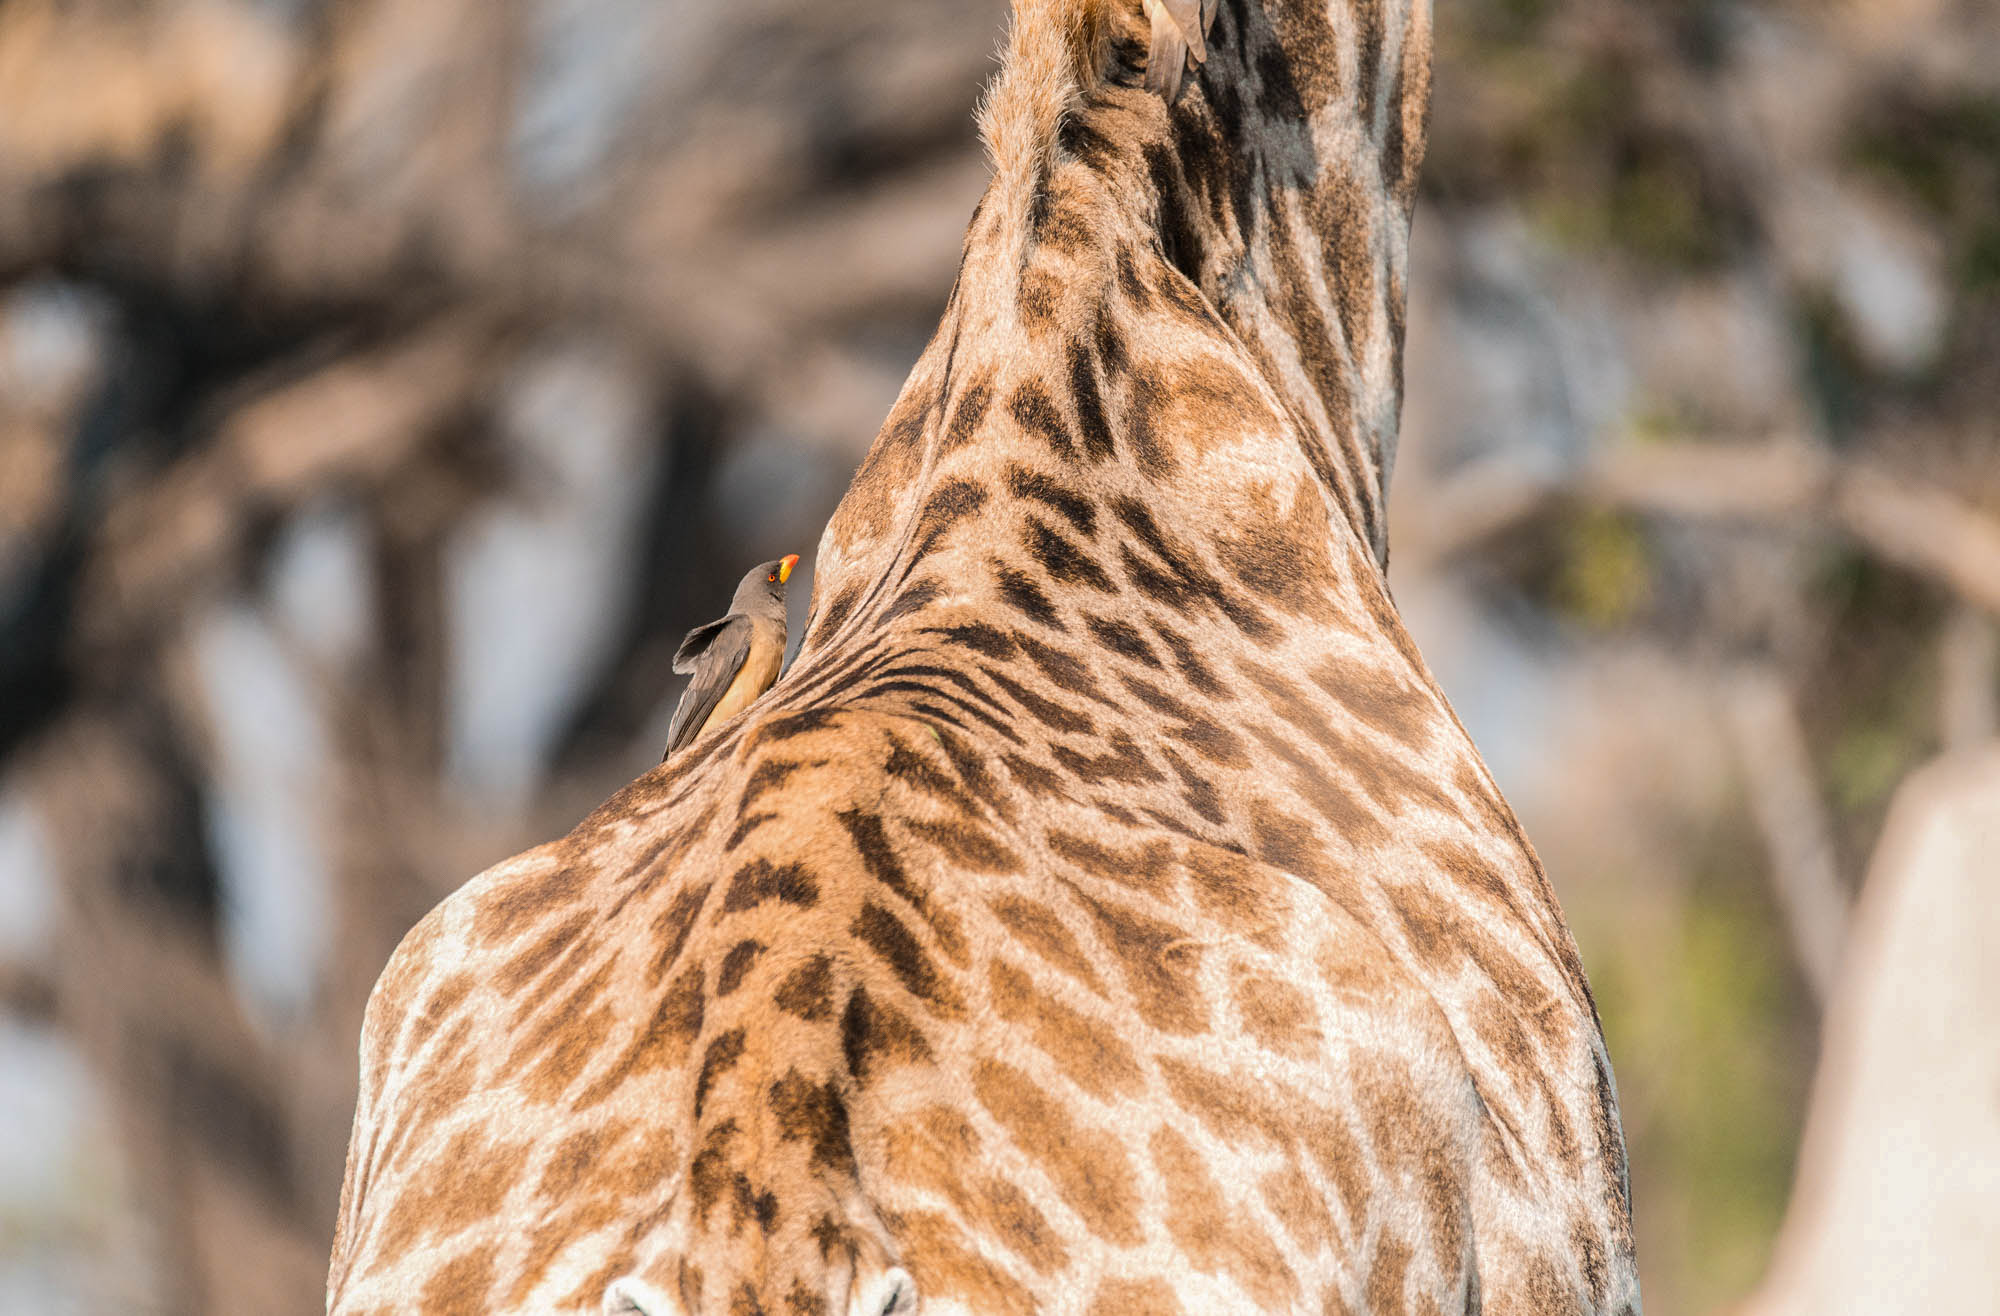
[(384, 388)]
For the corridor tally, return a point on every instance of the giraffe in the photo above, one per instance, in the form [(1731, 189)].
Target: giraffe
[(1106, 913)]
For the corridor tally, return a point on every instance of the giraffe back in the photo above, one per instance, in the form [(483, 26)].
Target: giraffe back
[(1106, 913)]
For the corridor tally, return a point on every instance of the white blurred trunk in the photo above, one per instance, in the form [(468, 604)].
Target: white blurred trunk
[(1897, 1204)]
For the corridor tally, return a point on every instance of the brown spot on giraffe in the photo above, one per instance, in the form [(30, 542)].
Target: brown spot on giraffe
[(1091, 1171), (940, 1152), (1388, 1291), (483, 1172), (876, 1037), (1134, 1297), (1299, 1207), (946, 1264), (807, 991), (742, 957), (1160, 967), (1038, 928), (1095, 1058), (525, 900), (1277, 1014), (461, 1284), (525, 967), (1217, 1235)]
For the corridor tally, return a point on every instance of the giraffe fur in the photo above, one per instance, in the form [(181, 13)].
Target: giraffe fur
[(1106, 912)]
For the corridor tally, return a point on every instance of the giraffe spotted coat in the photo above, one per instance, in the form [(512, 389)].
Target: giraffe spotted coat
[(1106, 914)]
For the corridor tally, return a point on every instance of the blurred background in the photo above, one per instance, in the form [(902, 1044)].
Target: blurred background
[(385, 387)]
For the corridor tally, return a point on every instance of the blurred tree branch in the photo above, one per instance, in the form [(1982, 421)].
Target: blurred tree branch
[(1785, 800), (1784, 482)]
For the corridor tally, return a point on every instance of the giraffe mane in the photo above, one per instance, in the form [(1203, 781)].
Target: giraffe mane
[(1056, 51)]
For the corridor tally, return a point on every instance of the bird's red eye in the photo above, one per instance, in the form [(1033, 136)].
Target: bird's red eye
[(772, 578)]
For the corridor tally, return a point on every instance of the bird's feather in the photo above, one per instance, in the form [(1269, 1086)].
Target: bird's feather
[(1178, 27), (714, 653)]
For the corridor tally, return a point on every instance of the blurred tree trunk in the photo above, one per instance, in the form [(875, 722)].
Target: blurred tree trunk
[(1897, 1204)]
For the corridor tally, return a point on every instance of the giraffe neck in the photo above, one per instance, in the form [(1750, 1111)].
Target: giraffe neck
[(1286, 178), (1268, 209)]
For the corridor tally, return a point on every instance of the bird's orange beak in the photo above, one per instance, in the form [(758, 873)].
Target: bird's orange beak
[(785, 565)]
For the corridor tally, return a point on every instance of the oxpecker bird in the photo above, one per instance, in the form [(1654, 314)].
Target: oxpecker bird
[(735, 659)]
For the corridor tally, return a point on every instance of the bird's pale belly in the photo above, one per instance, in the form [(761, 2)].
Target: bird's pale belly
[(759, 670)]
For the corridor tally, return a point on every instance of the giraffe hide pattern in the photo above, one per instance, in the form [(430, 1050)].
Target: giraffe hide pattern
[(1106, 913)]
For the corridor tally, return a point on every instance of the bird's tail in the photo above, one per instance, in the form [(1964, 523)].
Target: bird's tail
[(1180, 28)]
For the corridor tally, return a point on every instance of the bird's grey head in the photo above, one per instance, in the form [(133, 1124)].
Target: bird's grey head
[(762, 593)]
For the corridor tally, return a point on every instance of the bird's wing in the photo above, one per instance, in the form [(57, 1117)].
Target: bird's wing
[(698, 639), (714, 653)]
